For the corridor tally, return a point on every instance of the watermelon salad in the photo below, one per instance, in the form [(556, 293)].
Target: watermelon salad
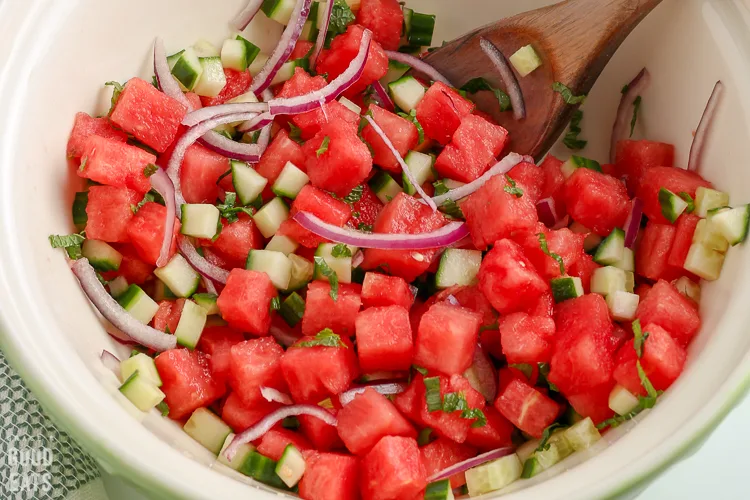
[(337, 277)]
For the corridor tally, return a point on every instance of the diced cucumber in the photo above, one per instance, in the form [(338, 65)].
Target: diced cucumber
[(395, 71), (406, 92), (199, 220), (141, 392), (191, 324), (672, 206), (350, 105), (171, 60), (179, 276), (101, 255), (162, 291), (622, 401), (420, 165), (279, 10), (525, 60), (420, 29), (207, 301), (627, 263), (290, 181), (212, 80), (238, 53), (138, 304), (611, 250), (607, 280), (629, 281), (704, 262), (283, 244), (709, 199), (582, 435), (354, 5), (439, 490), (270, 216), (708, 235), (733, 223), (309, 30), (243, 453), (291, 466), (261, 468), (140, 363), (286, 71), (493, 475), (458, 267), (527, 449), (342, 266), (688, 288), (539, 461), (204, 48), (407, 19), (576, 162), (118, 286), (592, 240), (276, 265), (208, 429), (566, 287), (187, 68), (258, 64), (302, 272), (80, 202), (384, 187), (622, 305), (292, 309), (248, 183)]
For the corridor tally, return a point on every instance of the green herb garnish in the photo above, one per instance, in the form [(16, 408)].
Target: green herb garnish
[(324, 338), (571, 139), (689, 200), (567, 94), (163, 408), (147, 198), (295, 133), (419, 369), (432, 394), (412, 117), (341, 250), (477, 84), (150, 170), (323, 147), (355, 195), (367, 228), (341, 18), (545, 249), (275, 303), (512, 189), (117, 89), (228, 209), (329, 273), (544, 443)]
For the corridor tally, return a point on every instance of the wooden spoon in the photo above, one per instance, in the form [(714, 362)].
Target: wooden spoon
[(575, 40)]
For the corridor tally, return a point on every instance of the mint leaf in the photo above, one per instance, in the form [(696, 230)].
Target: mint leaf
[(421, 370), (512, 189), (324, 269), (477, 414), (324, 338), (275, 303), (147, 198), (545, 249), (163, 408), (476, 84), (448, 207), (341, 250), (117, 89), (323, 147), (571, 139), (412, 117), (567, 94), (432, 394), (66, 241), (341, 18), (150, 170), (454, 401), (295, 133), (355, 195), (229, 211), (544, 443), (367, 228), (634, 120), (639, 338)]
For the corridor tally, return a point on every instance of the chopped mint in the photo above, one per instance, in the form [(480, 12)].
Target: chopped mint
[(324, 338), (476, 84), (567, 94)]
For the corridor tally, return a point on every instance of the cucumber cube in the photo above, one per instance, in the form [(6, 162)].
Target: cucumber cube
[(138, 304), (733, 223), (627, 263), (162, 291), (186, 68), (704, 262), (350, 105), (439, 490), (566, 287), (493, 475), (283, 244), (207, 301), (238, 53), (208, 429), (688, 288), (292, 309), (179, 276), (287, 69), (279, 10), (291, 466), (525, 60), (395, 71), (622, 401), (258, 64), (117, 286), (270, 216), (622, 305), (276, 265), (101, 255), (199, 220), (458, 267), (191, 324), (708, 235), (141, 392), (290, 181), (212, 80), (342, 266), (612, 249), (420, 166), (406, 92), (582, 435), (143, 364), (384, 187), (204, 48), (709, 199), (302, 272), (243, 453), (248, 183), (607, 280), (672, 206)]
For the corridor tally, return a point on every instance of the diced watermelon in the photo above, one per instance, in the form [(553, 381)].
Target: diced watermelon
[(380, 290), (86, 126), (148, 114), (409, 402), (508, 279), (168, 315), (301, 49), (273, 442), (341, 165), (584, 268), (543, 306), (563, 242), (217, 342), (330, 476), (664, 306), (554, 183), (528, 409), (596, 200), (132, 268), (493, 214), (109, 213), (676, 180), (393, 470), (451, 425), (254, 364), (471, 298), (344, 48), (301, 83), (316, 373), (472, 150), (146, 231), (441, 111), (321, 311), (365, 211), (530, 179), (281, 150), (325, 437), (239, 416), (577, 316), (369, 417), (320, 204), (403, 215), (112, 162), (683, 238), (238, 82), (401, 132), (496, 434), (384, 339), (385, 19), (194, 100), (593, 403), (245, 301), (236, 240), (634, 157), (526, 339), (199, 173), (442, 453), (187, 381), (653, 250), (446, 338)]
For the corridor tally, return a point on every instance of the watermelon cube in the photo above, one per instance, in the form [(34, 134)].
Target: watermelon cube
[(384, 339), (330, 476), (563, 242), (325, 437), (380, 290), (281, 150), (401, 132), (664, 306), (320, 204), (132, 268), (634, 157), (683, 238), (493, 214), (676, 180), (409, 402), (526, 339), (146, 232), (450, 424), (446, 338), (254, 364), (273, 442), (199, 173), (112, 162), (217, 342), (240, 416), (593, 403), (385, 19), (321, 311), (583, 268), (530, 179), (472, 150), (109, 212), (554, 183), (496, 434), (187, 381), (653, 251), (238, 82), (236, 240), (596, 200), (392, 470), (508, 279), (471, 298), (86, 126), (528, 409), (148, 114), (168, 315), (366, 209), (369, 417), (301, 83), (575, 317), (245, 301), (442, 453), (441, 111)]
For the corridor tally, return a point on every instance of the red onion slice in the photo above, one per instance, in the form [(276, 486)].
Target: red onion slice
[(409, 174), (452, 300), (418, 65), (256, 431), (161, 182), (209, 285), (236, 150), (704, 127), (285, 47), (248, 14), (275, 396), (255, 123), (358, 258), (508, 77), (564, 222), (199, 263), (547, 212), (322, 33), (382, 96), (385, 389), (472, 462), (111, 362), (501, 167), (284, 337), (115, 314), (443, 237), (164, 78), (316, 99), (625, 110), (633, 222), (200, 115)]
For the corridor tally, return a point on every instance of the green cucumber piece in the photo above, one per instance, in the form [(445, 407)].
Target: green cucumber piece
[(688, 288), (207, 301), (243, 453), (248, 183), (238, 53), (493, 475), (302, 272), (406, 92), (592, 240), (141, 392), (627, 263), (290, 181), (270, 216), (622, 401), (162, 291), (439, 490), (292, 309), (187, 68), (279, 10), (287, 69), (179, 276), (199, 220), (733, 223), (607, 280), (708, 235), (420, 165), (395, 71), (704, 262), (458, 267), (140, 363), (707, 199), (204, 48), (138, 304), (212, 80), (384, 187), (622, 305), (261, 468), (342, 266), (102, 256), (283, 244), (582, 435), (190, 327), (258, 64), (117, 286), (291, 466), (276, 265), (350, 105), (672, 206), (576, 162), (208, 429), (611, 249), (80, 217), (629, 281), (525, 60), (421, 28), (566, 287)]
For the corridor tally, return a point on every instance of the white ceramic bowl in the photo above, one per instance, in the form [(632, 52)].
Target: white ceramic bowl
[(56, 54)]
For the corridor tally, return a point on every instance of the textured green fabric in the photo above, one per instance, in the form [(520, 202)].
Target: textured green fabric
[(37, 460)]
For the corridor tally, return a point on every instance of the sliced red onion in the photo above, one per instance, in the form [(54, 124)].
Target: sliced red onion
[(443, 237), (120, 338), (470, 463), (633, 222), (418, 65), (275, 396), (547, 212), (409, 174), (508, 77), (501, 167), (164, 78), (625, 111), (382, 96), (482, 375), (115, 314), (199, 263), (236, 150), (283, 337), (111, 362), (255, 123), (358, 258), (248, 13), (209, 284), (285, 47), (317, 98), (200, 115), (161, 182), (704, 127), (322, 33), (256, 431), (564, 222), (452, 300), (385, 389)]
